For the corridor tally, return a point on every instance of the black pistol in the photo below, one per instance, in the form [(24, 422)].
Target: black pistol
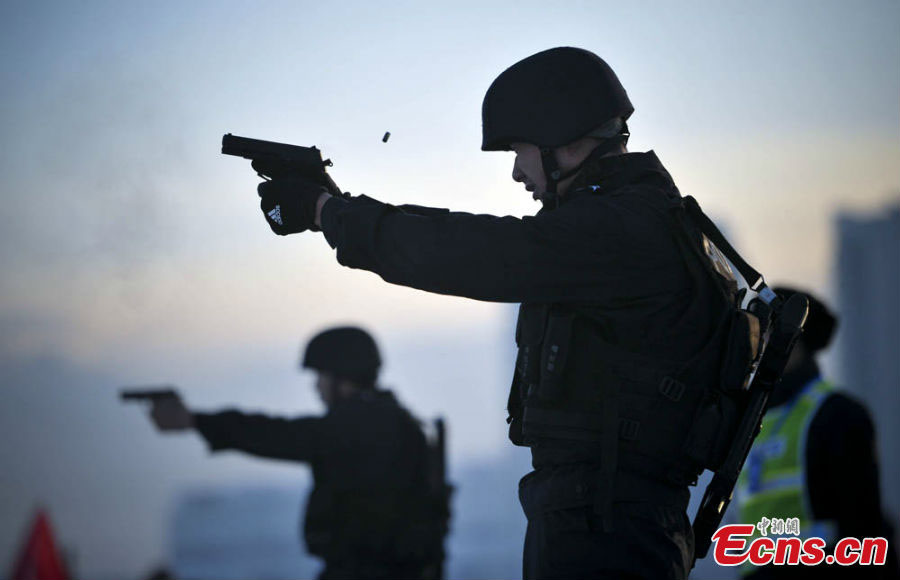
[(150, 393), (280, 159)]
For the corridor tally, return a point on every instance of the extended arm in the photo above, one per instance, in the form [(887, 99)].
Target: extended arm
[(586, 250), (290, 439)]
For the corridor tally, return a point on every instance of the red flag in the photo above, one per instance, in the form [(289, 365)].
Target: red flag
[(39, 559)]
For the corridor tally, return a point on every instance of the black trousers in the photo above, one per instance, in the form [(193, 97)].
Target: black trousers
[(647, 536)]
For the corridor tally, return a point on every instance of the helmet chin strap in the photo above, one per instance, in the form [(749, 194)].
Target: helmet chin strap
[(554, 174)]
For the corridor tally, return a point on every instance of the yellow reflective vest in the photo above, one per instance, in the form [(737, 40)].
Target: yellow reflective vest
[(773, 482)]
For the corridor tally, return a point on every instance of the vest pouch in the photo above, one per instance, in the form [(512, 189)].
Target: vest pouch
[(712, 430), (529, 334), (555, 350), (741, 348)]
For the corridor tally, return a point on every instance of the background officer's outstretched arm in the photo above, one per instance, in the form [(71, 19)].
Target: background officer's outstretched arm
[(261, 435)]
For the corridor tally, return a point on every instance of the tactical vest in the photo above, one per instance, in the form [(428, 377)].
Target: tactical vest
[(773, 481), (663, 419)]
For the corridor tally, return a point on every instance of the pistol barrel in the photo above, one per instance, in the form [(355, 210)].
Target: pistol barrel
[(258, 149), (147, 393)]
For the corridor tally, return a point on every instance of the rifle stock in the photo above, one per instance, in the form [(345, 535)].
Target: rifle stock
[(786, 326)]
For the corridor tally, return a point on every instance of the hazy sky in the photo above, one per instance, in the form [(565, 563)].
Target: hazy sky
[(132, 251)]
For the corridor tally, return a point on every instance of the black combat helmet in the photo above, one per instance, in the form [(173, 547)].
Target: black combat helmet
[(346, 351), (820, 322), (550, 99)]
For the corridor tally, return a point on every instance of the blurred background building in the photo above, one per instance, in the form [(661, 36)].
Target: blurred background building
[(237, 532), (868, 337)]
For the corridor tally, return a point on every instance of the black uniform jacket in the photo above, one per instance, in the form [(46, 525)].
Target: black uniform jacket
[(368, 457)]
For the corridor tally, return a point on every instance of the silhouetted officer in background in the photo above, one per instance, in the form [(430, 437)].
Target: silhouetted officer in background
[(626, 314), (371, 513), (815, 459)]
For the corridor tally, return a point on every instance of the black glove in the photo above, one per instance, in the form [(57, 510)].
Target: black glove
[(289, 204)]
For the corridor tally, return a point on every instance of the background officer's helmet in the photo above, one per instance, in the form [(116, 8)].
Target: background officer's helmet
[(346, 351)]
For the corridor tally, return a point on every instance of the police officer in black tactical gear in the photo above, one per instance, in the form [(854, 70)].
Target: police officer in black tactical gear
[(626, 315), (370, 513)]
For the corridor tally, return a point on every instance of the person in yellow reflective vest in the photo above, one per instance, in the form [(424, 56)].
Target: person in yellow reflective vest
[(814, 460)]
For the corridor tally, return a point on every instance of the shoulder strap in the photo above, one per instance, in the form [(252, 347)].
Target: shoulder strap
[(753, 278)]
